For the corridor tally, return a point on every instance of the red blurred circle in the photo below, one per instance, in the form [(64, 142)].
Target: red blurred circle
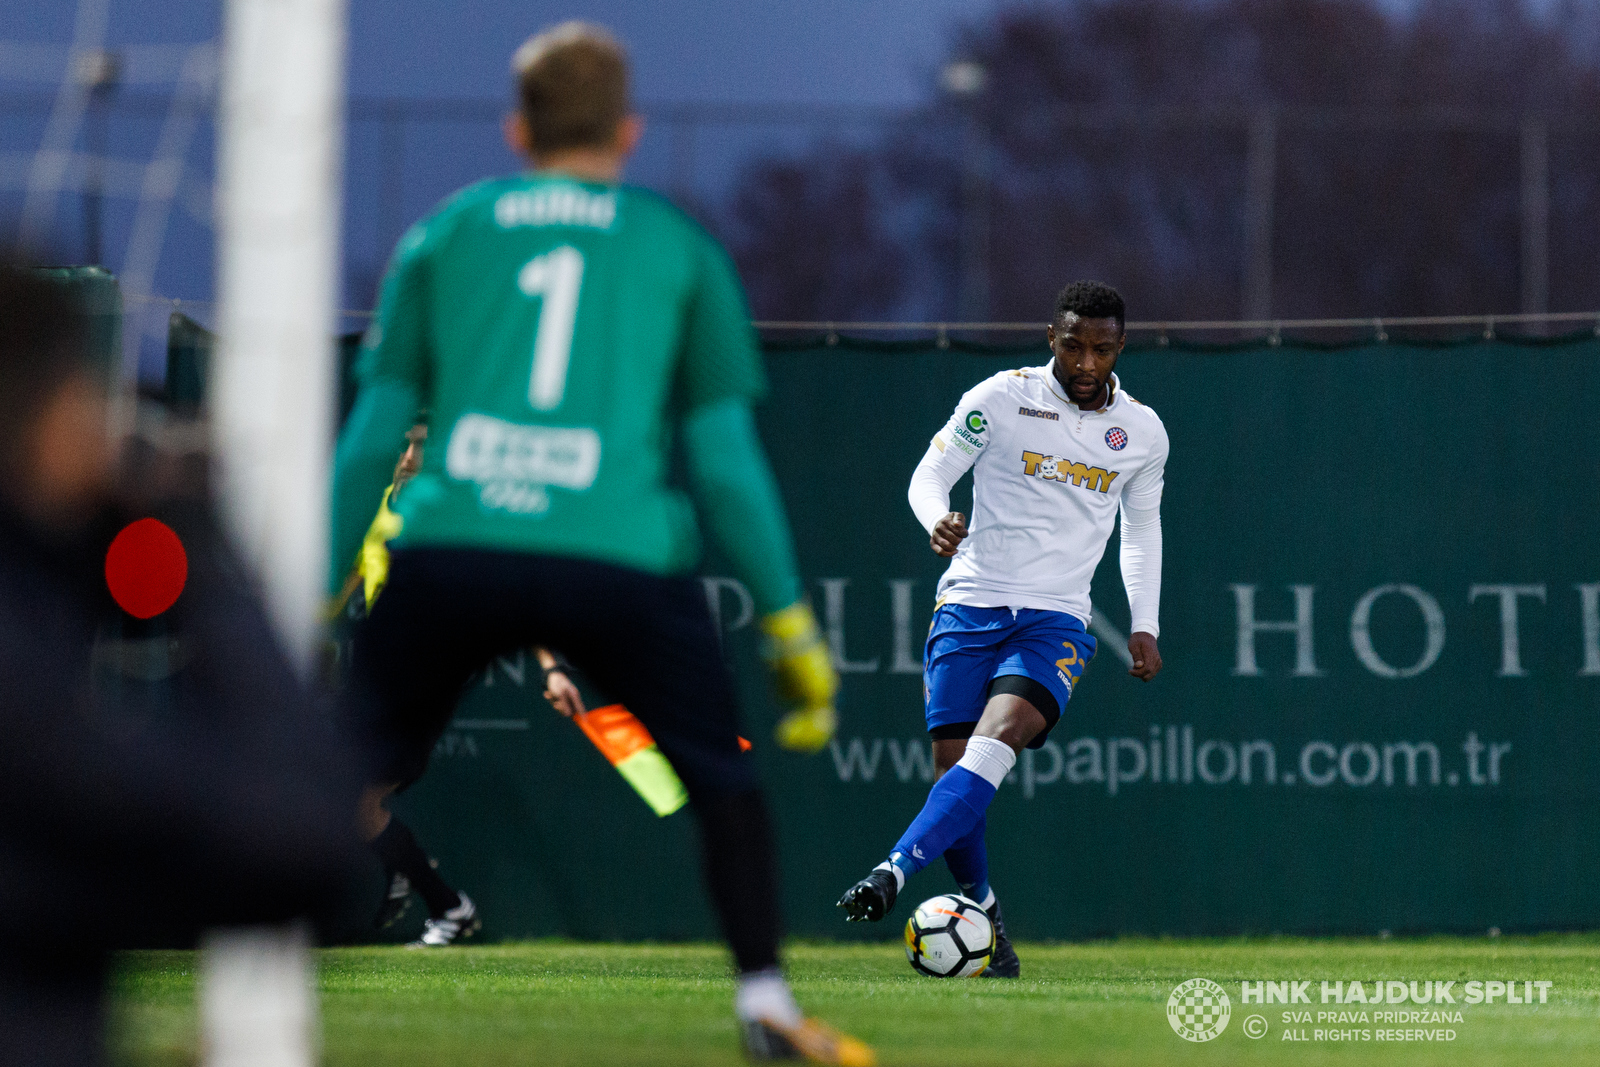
[(146, 568)]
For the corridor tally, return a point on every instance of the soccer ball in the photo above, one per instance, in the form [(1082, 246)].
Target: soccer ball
[(949, 937)]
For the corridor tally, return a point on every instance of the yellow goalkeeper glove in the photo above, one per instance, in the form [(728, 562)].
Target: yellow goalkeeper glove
[(803, 676)]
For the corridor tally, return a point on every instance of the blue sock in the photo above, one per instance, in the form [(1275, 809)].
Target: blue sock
[(968, 860), (956, 804)]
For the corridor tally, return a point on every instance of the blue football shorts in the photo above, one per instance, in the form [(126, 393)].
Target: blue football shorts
[(974, 653)]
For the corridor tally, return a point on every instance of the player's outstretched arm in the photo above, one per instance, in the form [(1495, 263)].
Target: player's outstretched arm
[(720, 376), (738, 497), (1141, 576), (1140, 558)]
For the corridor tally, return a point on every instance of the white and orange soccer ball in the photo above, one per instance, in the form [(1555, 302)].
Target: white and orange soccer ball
[(949, 937)]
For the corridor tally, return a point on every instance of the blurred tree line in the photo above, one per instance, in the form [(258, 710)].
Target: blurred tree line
[(1119, 139)]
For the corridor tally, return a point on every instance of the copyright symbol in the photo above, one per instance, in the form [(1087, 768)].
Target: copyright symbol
[(1255, 1026)]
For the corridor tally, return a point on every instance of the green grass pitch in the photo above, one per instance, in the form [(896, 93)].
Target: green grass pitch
[(557, 1003)]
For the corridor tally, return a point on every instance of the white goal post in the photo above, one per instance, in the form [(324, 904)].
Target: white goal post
[(280, 160)]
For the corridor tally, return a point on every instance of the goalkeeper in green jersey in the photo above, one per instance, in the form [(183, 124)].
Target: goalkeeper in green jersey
[(565, 331)]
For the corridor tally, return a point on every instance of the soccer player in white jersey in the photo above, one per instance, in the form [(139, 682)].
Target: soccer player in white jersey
[(1056, 451)]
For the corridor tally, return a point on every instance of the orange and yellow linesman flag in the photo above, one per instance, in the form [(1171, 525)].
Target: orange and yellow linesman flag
[(624, 741)]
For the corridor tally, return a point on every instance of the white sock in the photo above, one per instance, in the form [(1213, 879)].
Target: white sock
[(765, 995), (987, 902), (989, 758), (899, 875)]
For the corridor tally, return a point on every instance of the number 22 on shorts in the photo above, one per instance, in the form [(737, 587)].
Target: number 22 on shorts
[(1066, 663), (555, 277)]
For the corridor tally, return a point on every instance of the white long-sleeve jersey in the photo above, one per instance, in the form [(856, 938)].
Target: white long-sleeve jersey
[(1047, 485)]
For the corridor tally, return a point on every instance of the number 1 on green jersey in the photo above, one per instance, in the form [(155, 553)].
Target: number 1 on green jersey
[(555, 277)]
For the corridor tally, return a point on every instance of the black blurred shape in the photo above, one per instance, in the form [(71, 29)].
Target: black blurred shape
[(158, 777)]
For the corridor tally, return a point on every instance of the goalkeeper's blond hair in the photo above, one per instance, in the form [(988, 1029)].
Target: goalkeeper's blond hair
[(572, 87)]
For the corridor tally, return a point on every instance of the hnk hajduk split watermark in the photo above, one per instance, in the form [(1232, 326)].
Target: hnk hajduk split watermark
[(1393, 1010)]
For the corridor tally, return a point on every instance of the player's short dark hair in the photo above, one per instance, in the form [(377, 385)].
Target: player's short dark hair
[(572, 86), (43, 342), (1092, 300)]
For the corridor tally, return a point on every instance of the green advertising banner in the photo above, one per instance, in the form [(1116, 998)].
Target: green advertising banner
[(1380, 708)]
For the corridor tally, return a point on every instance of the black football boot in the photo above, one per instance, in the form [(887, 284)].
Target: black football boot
[(1004, 962), (871, 898)]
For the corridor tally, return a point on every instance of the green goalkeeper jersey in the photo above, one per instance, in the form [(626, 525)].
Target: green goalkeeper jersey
[(558, 332)]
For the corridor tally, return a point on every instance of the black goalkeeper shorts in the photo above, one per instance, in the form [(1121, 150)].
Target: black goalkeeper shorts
[(446, 613)]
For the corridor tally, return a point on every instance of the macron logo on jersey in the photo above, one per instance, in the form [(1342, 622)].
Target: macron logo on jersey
[(559, 205), (1056, 469), (1035, 413)]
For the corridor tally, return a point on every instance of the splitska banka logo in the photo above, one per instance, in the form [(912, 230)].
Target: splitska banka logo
[(1057, 469), (968, 436)]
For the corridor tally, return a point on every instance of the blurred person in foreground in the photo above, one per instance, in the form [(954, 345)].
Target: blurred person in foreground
[(564, 330), (128, 822)]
